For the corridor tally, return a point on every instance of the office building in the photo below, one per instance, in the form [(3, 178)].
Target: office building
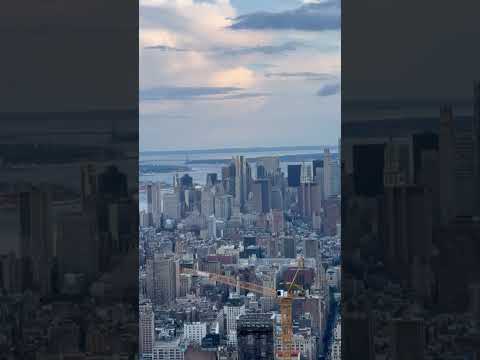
[(195, 332), (311, 248), (255, 336), (147, 330), (408, 339), (171, 206), (240, 182), (207, 203), (294, 173), (212, 227), (164, 279), (368, 163), (233, 308), (289, 247)]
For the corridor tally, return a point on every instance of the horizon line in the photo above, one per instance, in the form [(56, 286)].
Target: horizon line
[(238, 148)]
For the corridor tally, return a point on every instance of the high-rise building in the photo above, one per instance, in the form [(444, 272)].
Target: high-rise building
[(240, 181), (88, 182), (212, 227), (270, 164), (306, 173), (112, 183), (262, 195), (36, 237), (255, 336), (156, 202), (368, 163), (446, 154), (149, 205), (211, 179), (305, 199), (171, 205), (311, 248), (147, 330), (277, 221), (408, 339), (476, 145), (464, 185), (277, 198), (261, 172), (233, 308), (164, 279), (207, 203), (289, 247), (316, 164), (195, 331), (186, 181), (361, 324), (223, 207), (169, 350), (294, 173)]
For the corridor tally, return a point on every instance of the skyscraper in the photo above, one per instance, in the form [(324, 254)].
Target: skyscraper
[(289, 248), (255, 336), (212, 227), (211, 179), (207, 203), (446, 146), (240, 181), (328, 175), (147, 330), (293, 173), (233, 308), (164, 279), (408, 339), (171, 205), (318, 163), (476, 145), (270, 164)]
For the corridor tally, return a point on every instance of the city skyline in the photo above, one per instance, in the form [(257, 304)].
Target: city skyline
[(257, 73)]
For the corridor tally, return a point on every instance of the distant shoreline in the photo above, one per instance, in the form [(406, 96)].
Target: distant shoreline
[(238, 150), (156, 169), (283, 158)]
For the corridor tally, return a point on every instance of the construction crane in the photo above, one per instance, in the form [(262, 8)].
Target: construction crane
[(285, 298)]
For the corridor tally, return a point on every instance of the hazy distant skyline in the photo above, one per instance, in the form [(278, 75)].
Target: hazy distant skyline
[(239, 73)]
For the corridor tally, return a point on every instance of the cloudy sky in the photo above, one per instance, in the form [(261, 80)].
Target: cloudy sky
[(228, 73)]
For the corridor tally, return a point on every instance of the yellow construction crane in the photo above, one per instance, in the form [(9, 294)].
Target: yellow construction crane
[(285, 299)]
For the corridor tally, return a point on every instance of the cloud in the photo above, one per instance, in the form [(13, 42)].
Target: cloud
[(166, 48), (329, 89), (313, 16), (301, 75), (262, 49), (235, 77), (244, 96), (236, 51), (184, 92)]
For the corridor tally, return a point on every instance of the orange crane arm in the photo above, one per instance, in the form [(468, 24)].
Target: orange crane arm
[(233, 282)]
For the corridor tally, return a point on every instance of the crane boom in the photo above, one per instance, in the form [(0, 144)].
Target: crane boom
[(258, 289)]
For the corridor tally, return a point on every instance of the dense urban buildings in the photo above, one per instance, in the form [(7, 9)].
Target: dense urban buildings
[(410, 268), (218, 257)]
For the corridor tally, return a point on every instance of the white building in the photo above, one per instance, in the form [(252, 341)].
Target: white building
[(195, 332), (232, 310), (168, 350)]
